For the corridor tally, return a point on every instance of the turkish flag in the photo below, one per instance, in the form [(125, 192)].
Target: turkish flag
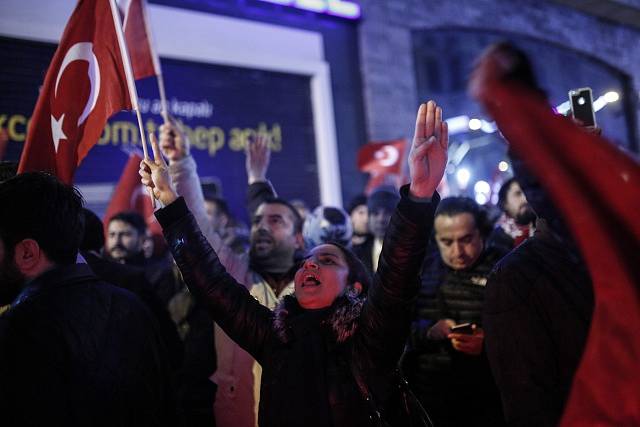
[(383, 161), (137, 34), (85, 85), (129, 195), (597, 188)]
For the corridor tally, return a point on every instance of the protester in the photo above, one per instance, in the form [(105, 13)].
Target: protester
[(517, 222), (380, 206), (449, 369), (539, 298), (359, 214), (267, 270), (131, 278), (126, 236), (74, 350), (310, 347)]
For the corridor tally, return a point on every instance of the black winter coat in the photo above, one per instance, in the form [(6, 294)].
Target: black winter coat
[(443, 378), (305, 355), (76, 351), (537, 315)]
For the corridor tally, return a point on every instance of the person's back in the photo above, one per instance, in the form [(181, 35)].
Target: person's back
[(73, 349), (78, 351), (538, 312)]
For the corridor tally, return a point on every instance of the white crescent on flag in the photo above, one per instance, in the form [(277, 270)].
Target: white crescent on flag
[(82, 51), (387, 155)]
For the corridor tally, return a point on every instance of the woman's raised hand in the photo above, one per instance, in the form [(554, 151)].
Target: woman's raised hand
[(428, 155), (155, 175)]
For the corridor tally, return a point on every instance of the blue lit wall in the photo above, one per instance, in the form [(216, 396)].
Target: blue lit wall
[(341, 52)]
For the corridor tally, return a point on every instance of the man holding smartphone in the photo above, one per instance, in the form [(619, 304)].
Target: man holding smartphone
[(446, 364)]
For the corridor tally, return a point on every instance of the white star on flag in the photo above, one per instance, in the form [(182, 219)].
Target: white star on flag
[(56, 131)]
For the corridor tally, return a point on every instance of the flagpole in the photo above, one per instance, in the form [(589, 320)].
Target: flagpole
[(164, 111), (128, 71)]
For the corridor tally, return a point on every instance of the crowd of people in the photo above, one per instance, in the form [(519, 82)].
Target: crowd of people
[(323, 317)]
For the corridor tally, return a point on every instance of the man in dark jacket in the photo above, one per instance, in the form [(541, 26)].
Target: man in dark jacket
[(449, 371), (539, 299), (74, 350), (380, 206), (516, 224)]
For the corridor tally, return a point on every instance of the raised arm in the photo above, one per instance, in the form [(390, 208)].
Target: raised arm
[(258, 157), (175, 146), (230, 305), (388, 311)]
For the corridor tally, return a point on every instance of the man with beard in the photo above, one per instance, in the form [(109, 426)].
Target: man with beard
[(74, 350), (126, 234), (448, 369), (517, 222), (267, 270)]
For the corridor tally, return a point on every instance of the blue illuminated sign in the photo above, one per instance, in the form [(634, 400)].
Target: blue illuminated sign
[(341, 8)]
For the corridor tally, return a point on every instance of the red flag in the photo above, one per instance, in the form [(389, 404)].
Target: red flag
[(137, 34), (129, 195), (382, 160), (85, 84), (597, 188)]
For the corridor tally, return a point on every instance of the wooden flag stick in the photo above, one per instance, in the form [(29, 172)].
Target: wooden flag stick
[(164, 111), (131, 84)]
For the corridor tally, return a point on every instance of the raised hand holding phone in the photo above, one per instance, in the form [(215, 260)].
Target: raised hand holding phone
[(582, 106)]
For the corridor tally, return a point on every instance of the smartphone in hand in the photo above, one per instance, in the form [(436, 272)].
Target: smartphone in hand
[(582, 106)]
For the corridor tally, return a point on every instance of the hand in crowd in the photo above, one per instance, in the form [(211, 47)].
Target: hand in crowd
[(440, 329), (428, 155), (173, 140), (468, 343), (258, 157), (589, 129), (155, 175)]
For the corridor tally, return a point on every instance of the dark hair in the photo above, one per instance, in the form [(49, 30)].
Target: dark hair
[(504, 189), (134, 219), (297, 219), (384, 197), (93, 238), (38, 206), (8, 170), (357, 270), (220, 203), (452, 206), (359, 200)]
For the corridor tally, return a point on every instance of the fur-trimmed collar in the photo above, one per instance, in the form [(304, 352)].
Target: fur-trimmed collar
[(343, 318)]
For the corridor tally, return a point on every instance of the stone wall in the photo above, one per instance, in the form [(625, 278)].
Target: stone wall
[(386, 48)]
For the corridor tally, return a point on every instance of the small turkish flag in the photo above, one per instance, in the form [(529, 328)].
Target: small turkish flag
[(128, 195), (137, 34), (382, 157), (85, 85), (382, 160)]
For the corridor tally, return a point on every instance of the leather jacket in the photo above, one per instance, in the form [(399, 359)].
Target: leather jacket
[(307, 374)]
